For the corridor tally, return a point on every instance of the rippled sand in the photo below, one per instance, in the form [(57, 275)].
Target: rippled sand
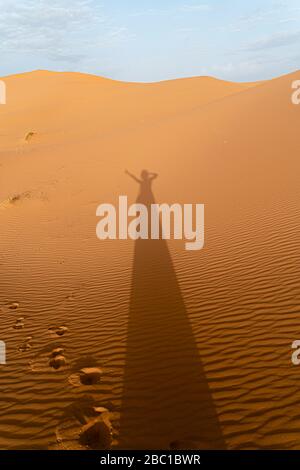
[(194, 348)]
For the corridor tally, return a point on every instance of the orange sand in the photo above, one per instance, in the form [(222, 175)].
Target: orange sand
[(192, 349)]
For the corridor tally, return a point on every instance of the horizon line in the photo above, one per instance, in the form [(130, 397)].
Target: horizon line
[(192, 77)]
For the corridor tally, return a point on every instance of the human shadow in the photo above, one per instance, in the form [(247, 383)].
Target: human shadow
[(166, 402)]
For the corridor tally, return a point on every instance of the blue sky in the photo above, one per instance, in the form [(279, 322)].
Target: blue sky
[(143, 40)]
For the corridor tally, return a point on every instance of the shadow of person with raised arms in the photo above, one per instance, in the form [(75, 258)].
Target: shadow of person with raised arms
[(166, 399), (145, 196)]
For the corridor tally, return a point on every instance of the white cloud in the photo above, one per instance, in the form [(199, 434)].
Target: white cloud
[(185, 8), (275, 41), (193, 8), (273, 16), (57, 30), (149, 12)]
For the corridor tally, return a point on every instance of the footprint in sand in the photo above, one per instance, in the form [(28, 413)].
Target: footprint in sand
[(90, 375), (19, 325), (58, 330), (96, 433), (86, 372), (29, 136), (57, 359), (26, 345), (14, 200), (85, 425), (52, 356), (10, 306), (13, 306)]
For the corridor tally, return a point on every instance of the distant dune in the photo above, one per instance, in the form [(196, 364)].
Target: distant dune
[(64, 106), (160, 347)]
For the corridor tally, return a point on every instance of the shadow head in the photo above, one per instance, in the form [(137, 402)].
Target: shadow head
[(145, 175)]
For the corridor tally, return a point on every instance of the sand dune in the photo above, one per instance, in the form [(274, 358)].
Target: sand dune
[(59, 107), (194, 348)]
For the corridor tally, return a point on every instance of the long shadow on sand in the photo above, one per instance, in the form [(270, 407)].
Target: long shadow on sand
[(166, 399)]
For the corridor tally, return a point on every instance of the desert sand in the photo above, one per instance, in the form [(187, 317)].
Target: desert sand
[(123, 344)]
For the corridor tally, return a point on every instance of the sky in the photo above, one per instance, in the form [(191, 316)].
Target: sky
[(146, 41)]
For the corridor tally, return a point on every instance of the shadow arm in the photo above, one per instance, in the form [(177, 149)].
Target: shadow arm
[(133, 176)]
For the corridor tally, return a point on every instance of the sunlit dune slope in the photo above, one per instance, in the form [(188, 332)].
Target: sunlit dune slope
[(63, 106)]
